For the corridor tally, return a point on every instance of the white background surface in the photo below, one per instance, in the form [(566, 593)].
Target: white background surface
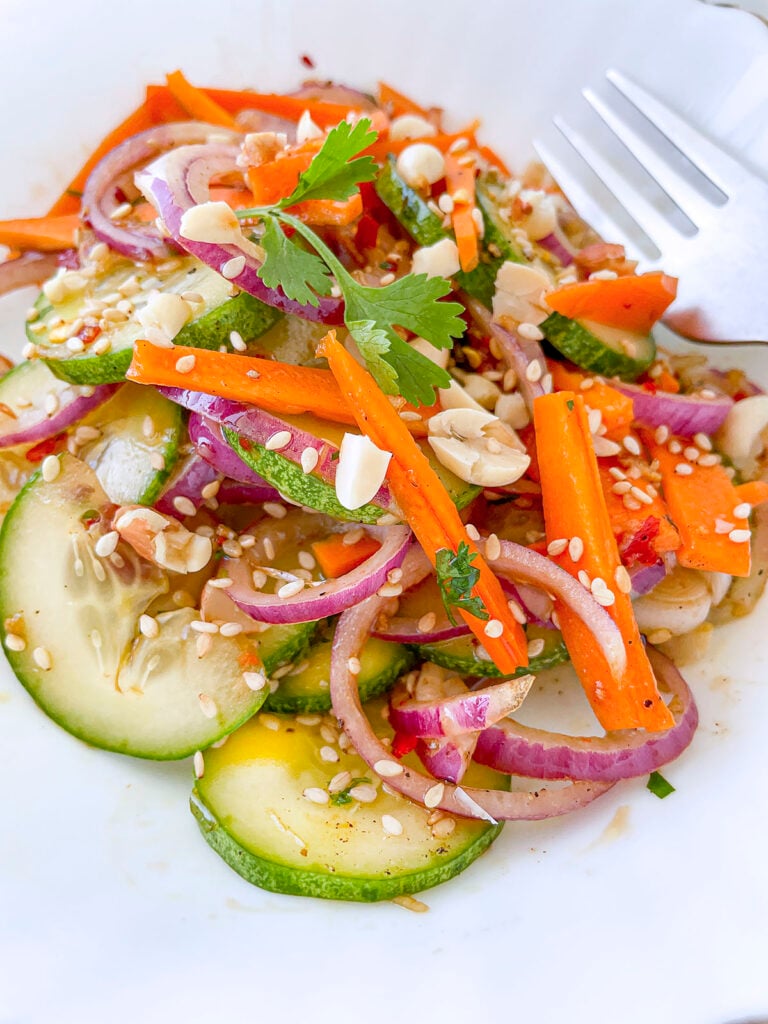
[(111, 906)]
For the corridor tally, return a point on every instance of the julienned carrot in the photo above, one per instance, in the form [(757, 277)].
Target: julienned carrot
[(574, 507), (701, 503), (291, 108), (337, 558), (279, 387), (617, 410), (397, 103), (424, 501), (198, 103), (381, 149), (494, 159), (628, 522), (634, 301), (274, 180), (460, 184), (45, 234), (755, 492)]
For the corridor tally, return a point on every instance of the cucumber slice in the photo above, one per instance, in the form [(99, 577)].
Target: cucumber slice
[(459, 655), (608, 351), (496, 232), (106, 683), (250, 807), (217, 315), (138, 428), (381, 663), (280, 645)]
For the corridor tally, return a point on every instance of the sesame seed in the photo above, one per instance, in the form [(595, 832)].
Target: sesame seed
[(50, 468), (621, 487), (42, 658), (586, 384), (642, 497), (236, 341), (148, 626), (533, 371), (279, 440), (184, 505), (200, 626), (186, 364), (329, 733), (557, 547), (221, 584), (710, 459), (365, 793), (106, 544), (210, 490), (605, 448), (703, 442), (617, 473), (114, 316), (30, 350), (353, 664), (740, 536), (517, 613), (583, 577), (255, 680), (434, 795), (742, 511), (659, 636), (622, 579), (391, 825), (194, 297), (535, 647), (675, 447), (121, 211), (683, 469), (603, 275), (575, 548), (253, 374), (339, 781), (270, 722), (230, 629), (492, 548), (386, 279), (232, 268), (661, 436), (51, 404), (207, 705), (691, 453), (307, 560), (493, 628), (315, 795), (630, 503), (602, 593), (75, 345), (530, 332), (472, 531), (444, 827), (445, 203), (631, 444), (595, 420), (15, 643), (275, 510), (328, 754), (352, 537), (290, 589), (233, 548), (198, 763), (707, 393)]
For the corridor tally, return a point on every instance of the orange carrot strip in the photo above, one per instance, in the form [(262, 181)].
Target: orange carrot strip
[(627, 522), (327, 212), (666, 382), (755, 492), (398, 103), (46, 234), (634, 302), (423, 500), (617, 409), (460, 184), (381, 149), (337, 558), (274, 180), (574, 506), (698, 501), (493, 158), (198, 103), (291, 108)]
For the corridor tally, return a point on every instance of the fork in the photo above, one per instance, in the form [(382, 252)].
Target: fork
[(723, 266)]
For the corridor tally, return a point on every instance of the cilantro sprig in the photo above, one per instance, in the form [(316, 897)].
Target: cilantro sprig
[(371, 315), (456, 576)]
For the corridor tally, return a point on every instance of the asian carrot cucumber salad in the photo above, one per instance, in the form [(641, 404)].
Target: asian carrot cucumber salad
[(330, 435)]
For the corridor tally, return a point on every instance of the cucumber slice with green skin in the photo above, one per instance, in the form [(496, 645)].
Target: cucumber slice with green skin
[(426, 228), (459, 655), (250, 807), (78, 614), (608, 351), (496, 231), (123, 456), (215, 317), (280, 645), (381, 663)]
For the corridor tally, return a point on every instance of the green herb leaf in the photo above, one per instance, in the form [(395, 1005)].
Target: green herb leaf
[(456, 576), (396, 367), (302, 275), (374, 344), (659, 786), (343, 797), (331, 175)]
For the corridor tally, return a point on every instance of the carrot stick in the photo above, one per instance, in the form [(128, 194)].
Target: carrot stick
[(755, 492), (574, 507), (424, 501), (397, 103), (337, 558), (628, 522), (493, 158), (634, 302), (291, 108), (381, 149), (617, 409), (701, 502), (460, 183), (46, 234), (197, 102)]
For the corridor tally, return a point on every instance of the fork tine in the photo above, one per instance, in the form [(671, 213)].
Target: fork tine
[(682, 194), (584, 203), (721, 169), (642, 212)]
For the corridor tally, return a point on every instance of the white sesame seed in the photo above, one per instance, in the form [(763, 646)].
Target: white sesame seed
[(535, 647), (707, 393), (493, 628), (517, 613), (269, 722), (742, 511), (710, 459), (434, 795), (427, 622), (444, 827), (230, 629), (595, 420), (279, 440), (328, 732), (275, 510), (106, 544), (194, 297), (198, 763), (740, 536), (329, 754), (642, 497), (210, 490), (683, 469), (233, 548), (30, 351), (583, 578), (603, 275), (472, 531), (221, 584), (386, 279), (315, 795), (533, 371), (703, 442), (15, 643), (630, 503), (691, 453), (391, 825), (390, 590), (661, 435), (616, 473), (339, 781), (604, 448), (621, 487), (586, 384), (232, 268), (365, 793), (42, 658), (631, 444), (236, 341), (530, 332), (290, 589), (207, 705), (255, 680), (120, 211), (184, 505), (50, 404), (148, 626), (186, 364), (388, 769), (622, 579), (200, 626), (557, 547), (50, 468), (575, 548), (309, 459), (492, 548), (675, 447), (353, 665)]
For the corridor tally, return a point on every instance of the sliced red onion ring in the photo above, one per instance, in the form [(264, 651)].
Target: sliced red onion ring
[(683, 414), (233, 492), (180, 180), (99, 200), (555, 244), (535, 603), (447, 758), (187, 481), (205, 435), (520, 750), (33, 382), (29, 268), (457, 715), (404, 630), (258, 426), (332, 596), (352, 631), (645, 577)]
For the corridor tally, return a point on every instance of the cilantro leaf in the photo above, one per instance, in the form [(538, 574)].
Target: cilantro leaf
[(331, 175), (374, 343), (396, 367), (456, 576), (286, 265), (659, 786), (343, 797)]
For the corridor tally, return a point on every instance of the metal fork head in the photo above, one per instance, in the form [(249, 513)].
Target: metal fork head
[(722, 263)]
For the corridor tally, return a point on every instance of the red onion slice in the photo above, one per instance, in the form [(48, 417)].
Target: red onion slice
[(331, 596), (27, 269), (457, 715), (180, 180), (100, 201), (34, 383), (519, 354), (520, 750), (683, 414), (206, 436), (645, 577), (187, 481), (403, 630), (556, 244), (234, 492), (447, 758), (352, 630)]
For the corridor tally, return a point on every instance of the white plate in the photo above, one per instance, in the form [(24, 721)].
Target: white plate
[(111, 906)]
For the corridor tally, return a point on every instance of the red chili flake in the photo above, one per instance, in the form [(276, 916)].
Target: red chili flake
[(49, 446), (403, 744), (640, 547), (89, 333), (307, 61)]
